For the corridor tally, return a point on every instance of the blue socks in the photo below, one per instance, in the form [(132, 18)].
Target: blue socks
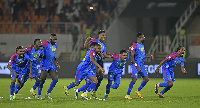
[(17, 88), (142, 85), (163, 84), (40, 87), (52, 85), (130, 87), (36, 85), (84, 87), (108, 86), (91, 86), (165, 90), (71, 85), (12, 89)]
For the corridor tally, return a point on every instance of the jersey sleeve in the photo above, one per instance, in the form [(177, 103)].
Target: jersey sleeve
[(114, 56), (172, 56), (12, 59), (92, 53), (182, 62), (92, 40), (133, 47), (28, 49), (44, 43)]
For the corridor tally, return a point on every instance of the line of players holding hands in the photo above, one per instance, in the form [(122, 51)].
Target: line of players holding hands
[(23, 65)]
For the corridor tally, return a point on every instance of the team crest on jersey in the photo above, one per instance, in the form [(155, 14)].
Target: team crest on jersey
[(142, 49)]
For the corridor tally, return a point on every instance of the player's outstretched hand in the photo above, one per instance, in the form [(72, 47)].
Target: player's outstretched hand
[(30, 76), (58, 66), (185, 72), (103, 71), (138, 68)]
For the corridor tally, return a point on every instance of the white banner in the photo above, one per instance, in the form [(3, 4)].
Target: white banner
[(106, 67), (4, 69), (149, 68), (198, 68)]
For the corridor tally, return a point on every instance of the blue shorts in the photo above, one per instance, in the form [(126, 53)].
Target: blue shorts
[(35, 72), (90, 72), (48, 68), (114, 76), (168, 75), (23, 77), (135, 71), (19, 72), (87, 80), (80, 75)]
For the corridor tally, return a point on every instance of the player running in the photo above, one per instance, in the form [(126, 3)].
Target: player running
[(168, 75), (104, 54), (47, 65), (115, 70), (34, 52), (88, 63), (137, 60), (19, 65)]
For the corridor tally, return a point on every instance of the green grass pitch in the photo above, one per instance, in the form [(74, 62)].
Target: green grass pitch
[(184, 94)]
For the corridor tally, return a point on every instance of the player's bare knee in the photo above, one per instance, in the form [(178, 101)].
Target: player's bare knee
[(95, 81), (170, 83), (146, 79), (38, 79), (134, 79), (76, 83)]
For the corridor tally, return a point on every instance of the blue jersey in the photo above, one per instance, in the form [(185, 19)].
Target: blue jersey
[(49, 53), (34, 55), (103, 46), (117, 65), (173, 60), (139, 53), (86, 63), (19, 65)]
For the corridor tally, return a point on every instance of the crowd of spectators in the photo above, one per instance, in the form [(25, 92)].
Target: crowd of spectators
[(91, 13)]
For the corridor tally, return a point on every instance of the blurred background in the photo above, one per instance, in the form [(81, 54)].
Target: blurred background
[(166, 24)]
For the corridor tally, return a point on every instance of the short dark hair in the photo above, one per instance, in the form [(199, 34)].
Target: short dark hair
[(36, 40), (53, 34), (123, 51), (101, 31), (139, 34), (18, 47), (93, 44), (179, 47)]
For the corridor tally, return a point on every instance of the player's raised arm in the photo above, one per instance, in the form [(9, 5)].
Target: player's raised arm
[(86, 44), (107, 55), (161, 63)]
